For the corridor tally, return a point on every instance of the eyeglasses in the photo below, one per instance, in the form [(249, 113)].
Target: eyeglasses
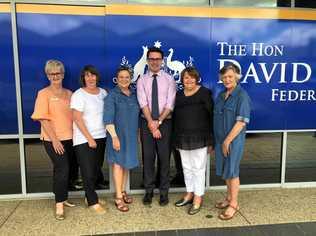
[(55, 74), (154, 59)]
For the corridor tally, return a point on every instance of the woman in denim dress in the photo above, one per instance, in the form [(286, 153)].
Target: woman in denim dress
[(121, 113), (231, 115)]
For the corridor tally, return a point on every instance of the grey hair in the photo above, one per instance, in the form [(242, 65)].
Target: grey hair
[(230, 66), (54, 64)]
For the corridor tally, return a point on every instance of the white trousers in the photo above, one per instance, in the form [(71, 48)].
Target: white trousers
[(194, 166)]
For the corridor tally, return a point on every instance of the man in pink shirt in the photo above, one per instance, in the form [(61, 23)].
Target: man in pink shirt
[(156, 91)]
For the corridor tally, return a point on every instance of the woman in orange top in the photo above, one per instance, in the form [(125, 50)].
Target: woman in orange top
[(52, 110)]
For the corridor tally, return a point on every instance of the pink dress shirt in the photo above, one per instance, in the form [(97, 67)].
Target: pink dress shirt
[(166, 90)]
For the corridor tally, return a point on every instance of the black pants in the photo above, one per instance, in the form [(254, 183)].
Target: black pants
[(61, 168), (160, 147), (73, 169), (100, 176), (178, 164), (89, 162)]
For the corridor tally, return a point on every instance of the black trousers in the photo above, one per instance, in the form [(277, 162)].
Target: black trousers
[(100, 176), (61, 168), (161, 148), (89, 162), (178, 164), (73, 169)]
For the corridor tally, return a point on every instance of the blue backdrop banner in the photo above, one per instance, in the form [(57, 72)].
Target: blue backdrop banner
[(277, 58)]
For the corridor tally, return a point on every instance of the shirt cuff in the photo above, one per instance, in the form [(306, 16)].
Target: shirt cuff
[(40, 117), (143, 105), (244, 119)]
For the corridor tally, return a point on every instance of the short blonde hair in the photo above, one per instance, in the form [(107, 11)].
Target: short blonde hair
[(54, 64), (233, 67)]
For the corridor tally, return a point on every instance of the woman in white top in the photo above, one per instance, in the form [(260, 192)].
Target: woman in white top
[(88, 132)]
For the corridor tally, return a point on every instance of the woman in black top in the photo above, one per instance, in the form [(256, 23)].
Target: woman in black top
[(193, 119)]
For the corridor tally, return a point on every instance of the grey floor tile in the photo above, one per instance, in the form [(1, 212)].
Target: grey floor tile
[(124, 234), (280, 230), (151, 233), (167, 233), (234, 231), (187, 232), (309, 228), (202, 232)]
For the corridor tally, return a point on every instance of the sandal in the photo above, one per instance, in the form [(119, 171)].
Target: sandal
[(126, 198), (222, 204), (119, 203), (225, 216), (98, 209)]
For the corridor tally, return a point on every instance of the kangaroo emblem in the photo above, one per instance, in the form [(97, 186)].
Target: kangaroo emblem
[(139, 68)]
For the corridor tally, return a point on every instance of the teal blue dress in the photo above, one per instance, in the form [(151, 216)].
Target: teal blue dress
[(226, 112), (122, 111)]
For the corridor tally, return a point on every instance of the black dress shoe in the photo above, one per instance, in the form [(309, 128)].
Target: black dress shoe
[(147, 200), (183, 202), (164, 200)]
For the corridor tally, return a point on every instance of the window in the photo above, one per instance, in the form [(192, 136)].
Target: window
[(305, 3), (253, 3), (261, 161), (300, 159), (10, 173)]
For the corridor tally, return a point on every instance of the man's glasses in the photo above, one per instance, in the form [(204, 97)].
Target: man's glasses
[(154, 59)]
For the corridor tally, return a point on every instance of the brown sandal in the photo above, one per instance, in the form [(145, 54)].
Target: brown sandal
[(222, 204), (225, 216), (126, 198), (119, 203)]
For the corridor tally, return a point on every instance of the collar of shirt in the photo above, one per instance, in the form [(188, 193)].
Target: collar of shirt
[(150, 73), (118, 90), (235, 91), (233, 94)]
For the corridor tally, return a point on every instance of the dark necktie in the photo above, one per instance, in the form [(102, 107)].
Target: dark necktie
[(154, 99)]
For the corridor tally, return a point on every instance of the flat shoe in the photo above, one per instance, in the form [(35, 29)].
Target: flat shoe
[(102, 202), (59, 216), (69, 204), (99, 210), (183, 202), (194, 209)]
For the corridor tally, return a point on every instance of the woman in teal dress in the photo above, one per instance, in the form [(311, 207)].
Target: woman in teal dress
[(231, 115), (121, 113)]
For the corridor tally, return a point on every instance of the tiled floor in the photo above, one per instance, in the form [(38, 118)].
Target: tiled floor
[(260, 211), (293, 229)]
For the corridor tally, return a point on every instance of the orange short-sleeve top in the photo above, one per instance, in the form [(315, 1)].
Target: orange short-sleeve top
[(56, 110)]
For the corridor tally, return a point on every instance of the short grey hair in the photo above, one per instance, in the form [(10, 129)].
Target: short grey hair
[(230, 66), (54, 64)]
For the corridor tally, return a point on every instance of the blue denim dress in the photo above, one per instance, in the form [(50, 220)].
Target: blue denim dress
[(226, 112), (123, 112)]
